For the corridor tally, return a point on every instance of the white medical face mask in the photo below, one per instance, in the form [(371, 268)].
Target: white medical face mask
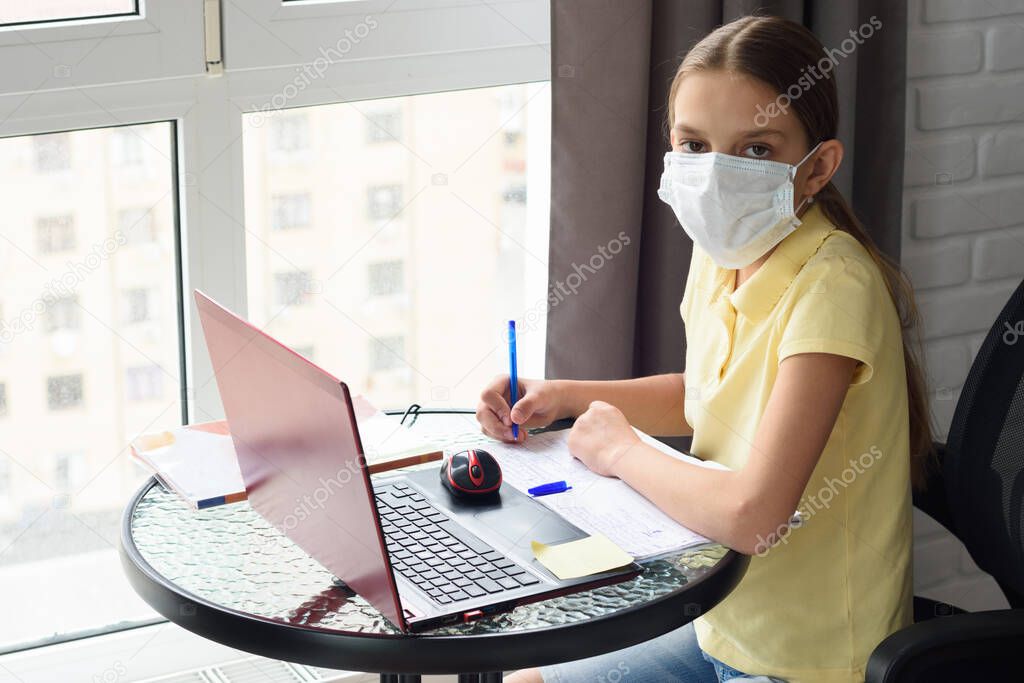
[(734, 208)]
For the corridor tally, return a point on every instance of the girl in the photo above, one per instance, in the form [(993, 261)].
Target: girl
[(798, 378)]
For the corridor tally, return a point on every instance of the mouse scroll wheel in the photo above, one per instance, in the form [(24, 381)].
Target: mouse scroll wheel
[(475, 470)]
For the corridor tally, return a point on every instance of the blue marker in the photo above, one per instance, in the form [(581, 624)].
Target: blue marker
[(548, 489), (513, 375)]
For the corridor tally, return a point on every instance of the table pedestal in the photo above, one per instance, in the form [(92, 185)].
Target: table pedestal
[(492, 677)]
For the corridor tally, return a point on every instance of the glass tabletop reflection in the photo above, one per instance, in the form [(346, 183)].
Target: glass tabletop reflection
[(231, 557)]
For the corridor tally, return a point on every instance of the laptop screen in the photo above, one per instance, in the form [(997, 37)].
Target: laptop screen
[(298, 449)]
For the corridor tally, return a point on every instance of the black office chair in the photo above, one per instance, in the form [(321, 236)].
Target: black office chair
[(976, 493)]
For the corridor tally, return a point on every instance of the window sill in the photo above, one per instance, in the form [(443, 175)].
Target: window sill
[(147, 653)]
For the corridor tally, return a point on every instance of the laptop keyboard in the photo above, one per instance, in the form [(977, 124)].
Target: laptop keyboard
[(437, 554)]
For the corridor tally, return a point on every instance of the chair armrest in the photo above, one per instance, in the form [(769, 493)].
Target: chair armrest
[(961, 647)]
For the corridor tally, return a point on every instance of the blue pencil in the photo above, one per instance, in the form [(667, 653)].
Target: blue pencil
[(513, 390)]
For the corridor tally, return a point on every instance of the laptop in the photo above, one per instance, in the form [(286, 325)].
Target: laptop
[(416, 554)]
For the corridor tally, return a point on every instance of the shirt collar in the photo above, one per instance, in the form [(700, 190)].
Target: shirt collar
[(757, 296)]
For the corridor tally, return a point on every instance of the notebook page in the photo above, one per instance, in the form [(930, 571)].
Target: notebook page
[(596, 504)]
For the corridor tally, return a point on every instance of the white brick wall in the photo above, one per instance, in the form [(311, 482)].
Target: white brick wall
[(963, 240)]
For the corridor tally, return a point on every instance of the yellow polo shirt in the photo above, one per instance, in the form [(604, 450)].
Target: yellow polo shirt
[(813, 607)]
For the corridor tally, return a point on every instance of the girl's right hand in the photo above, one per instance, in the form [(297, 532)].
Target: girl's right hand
[(539, 404)]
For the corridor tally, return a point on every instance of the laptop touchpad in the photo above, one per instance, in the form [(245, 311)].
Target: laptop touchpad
[(513, 519), (519, 520)]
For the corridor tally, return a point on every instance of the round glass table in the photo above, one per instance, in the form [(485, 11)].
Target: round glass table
[(228, 575)]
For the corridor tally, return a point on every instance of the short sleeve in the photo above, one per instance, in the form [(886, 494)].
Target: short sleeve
[(835, 308)]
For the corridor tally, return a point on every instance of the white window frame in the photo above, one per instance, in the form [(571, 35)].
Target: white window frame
[(208, 110), (115, 79), (293, 33), (78, 53)]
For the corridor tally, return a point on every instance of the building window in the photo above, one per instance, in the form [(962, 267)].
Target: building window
[(64, 313), (68, 471), (289, 134), (5, 476), (138, 305), (514, 194), (55, 234), (293, 288), (386, 278), (385, 201), (143, 383), (64, 391), (387, 353), (128, 147), (52, 153), (136, 225), (511, 112), (3, 399), (290, 211), (384, 126)]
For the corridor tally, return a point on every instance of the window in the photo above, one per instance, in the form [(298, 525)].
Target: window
[(68, 471), (512, 113), (385, 201), (52, 153), (384, 126), (289, 134), (60, 10), (128, 146), (515, 194), (182, 202), (5, 477), (292, 288), (64, 314), (63, 392), (138, 303), (387, 353), (55, 234), (290, 211), (144, 383), (3, 399), (386, 278), (460, 240), (137, 225), (75, 400)]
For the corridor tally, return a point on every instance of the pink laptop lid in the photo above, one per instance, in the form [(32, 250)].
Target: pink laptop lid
[(294, 431)]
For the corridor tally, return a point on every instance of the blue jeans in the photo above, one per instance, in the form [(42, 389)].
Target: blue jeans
[(675, 656)]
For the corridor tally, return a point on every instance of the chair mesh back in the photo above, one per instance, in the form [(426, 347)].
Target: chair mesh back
[(984, 462)]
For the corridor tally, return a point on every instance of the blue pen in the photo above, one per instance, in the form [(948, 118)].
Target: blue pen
[(548, 489), (513, 375)]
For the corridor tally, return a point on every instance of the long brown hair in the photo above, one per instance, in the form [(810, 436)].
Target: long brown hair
[(781, 54)]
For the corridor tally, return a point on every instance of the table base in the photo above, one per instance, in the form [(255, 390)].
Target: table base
[(492, 677)]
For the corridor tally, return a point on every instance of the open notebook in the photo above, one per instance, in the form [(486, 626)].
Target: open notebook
[(198, 461), (599, 505)]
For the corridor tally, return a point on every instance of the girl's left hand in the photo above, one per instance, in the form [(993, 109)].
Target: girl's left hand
[(601, 437)]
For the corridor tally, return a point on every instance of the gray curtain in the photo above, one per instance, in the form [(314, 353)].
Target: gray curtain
[(616, 314)]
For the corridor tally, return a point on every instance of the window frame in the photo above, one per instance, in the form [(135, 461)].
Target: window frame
[(118, 82), (135, 12), (79, 53)]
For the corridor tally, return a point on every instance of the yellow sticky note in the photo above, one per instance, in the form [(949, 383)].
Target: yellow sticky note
[(582, 557)]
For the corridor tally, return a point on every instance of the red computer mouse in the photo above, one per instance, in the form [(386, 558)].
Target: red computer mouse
[(471, 473)]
